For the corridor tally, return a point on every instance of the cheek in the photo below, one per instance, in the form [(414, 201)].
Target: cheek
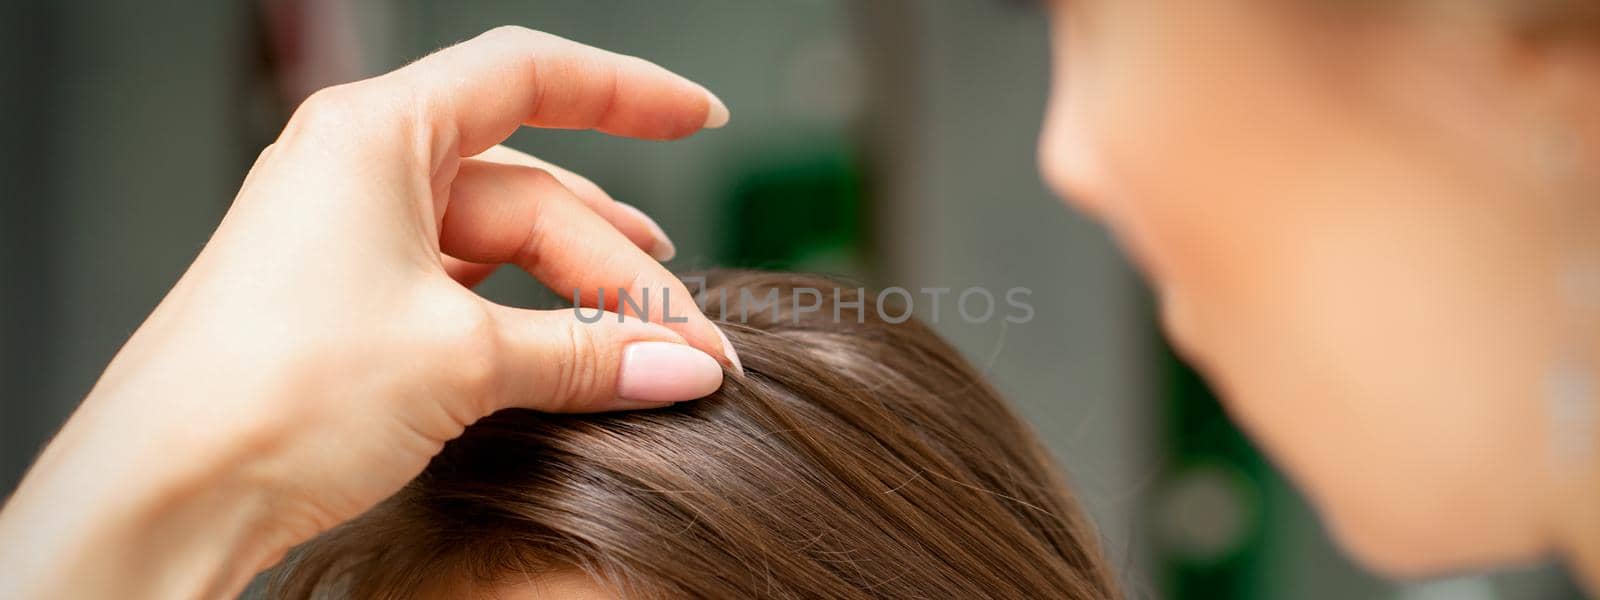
[(1344, 338)]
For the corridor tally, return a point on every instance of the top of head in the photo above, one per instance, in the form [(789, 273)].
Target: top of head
[(854, 458)]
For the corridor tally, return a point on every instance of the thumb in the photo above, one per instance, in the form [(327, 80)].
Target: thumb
[(591, 361)]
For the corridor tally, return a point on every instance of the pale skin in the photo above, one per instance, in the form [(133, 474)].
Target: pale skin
[(1363, 221), (322, 346), (1357, 227)]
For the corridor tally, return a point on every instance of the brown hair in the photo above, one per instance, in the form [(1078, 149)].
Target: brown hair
[(854, 459)]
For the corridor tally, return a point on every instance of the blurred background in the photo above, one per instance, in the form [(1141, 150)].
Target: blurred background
[(886, 141)]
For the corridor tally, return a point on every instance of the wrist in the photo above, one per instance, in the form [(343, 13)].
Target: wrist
[(117, 508)]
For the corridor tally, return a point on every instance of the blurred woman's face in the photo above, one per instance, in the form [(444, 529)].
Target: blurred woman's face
[(1335, 212)]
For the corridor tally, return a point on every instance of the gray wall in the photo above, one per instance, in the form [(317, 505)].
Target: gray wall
[(966, 134), (119, 160)]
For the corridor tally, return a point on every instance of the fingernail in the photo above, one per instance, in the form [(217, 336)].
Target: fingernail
[(718, 116), (663, 250), (727, 351), (666, 372)]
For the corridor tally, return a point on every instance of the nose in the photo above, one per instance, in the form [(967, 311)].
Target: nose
[(1069, 163)]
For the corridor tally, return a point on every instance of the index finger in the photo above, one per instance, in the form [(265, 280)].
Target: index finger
[(475, 94), (501, 213)]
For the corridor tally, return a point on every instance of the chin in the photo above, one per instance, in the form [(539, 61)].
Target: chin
[(1393, 554), (1417, 541)]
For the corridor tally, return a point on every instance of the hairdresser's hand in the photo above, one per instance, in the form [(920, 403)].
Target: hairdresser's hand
[(323, 347)]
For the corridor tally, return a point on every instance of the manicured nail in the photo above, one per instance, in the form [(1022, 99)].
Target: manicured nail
[(663, 250), (666, 372), (727, 351), (718, 116)]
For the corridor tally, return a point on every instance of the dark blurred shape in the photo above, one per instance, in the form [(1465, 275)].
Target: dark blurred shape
[(29, 63)]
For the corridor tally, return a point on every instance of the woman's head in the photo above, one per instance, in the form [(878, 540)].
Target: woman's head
[(1358, 217), (854, 459)]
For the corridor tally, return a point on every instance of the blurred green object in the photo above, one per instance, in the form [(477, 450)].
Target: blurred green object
[(1212, 538), (797, 207)]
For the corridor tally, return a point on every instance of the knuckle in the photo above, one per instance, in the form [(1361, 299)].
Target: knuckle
[(579, 378), (477, 372), (545, 191), (327, 107), (586, 188), (360, 118), (509, 30), (261, 159), (512, 32), (539, 180), (469, 343)]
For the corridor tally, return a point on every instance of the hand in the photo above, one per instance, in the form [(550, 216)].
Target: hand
[(322, 347)]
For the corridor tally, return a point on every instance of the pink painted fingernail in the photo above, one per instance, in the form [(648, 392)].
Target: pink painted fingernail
[(666, 372), (727, 351), (718, 115)]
